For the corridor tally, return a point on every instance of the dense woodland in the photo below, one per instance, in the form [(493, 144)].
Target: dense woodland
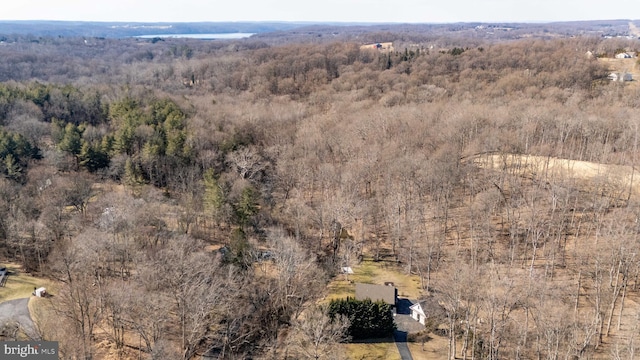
[(197, 196)]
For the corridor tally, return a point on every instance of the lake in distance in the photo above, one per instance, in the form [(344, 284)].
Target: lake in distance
[(199, 36)]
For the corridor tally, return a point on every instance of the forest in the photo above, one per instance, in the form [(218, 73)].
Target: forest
[(190, 197)]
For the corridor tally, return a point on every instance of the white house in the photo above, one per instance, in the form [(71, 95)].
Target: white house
[(623, 55), (417, 312), (620, 77)]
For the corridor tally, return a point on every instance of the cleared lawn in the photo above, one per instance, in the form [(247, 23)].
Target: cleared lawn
[(372, 272), (613, 181), (623, 65), (20, 284), (384, 349)]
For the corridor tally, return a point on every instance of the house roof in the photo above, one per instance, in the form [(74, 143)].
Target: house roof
[(418, 308), (387, 294), (429, 305)]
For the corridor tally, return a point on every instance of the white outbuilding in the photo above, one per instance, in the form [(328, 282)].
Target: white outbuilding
[(623, 55)]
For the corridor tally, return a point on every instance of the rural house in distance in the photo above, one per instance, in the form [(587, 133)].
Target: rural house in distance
[(384, 46)]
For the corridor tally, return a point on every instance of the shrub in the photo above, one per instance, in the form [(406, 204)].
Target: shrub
[(367, 319)]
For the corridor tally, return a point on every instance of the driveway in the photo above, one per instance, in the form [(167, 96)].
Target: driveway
[(18, 311), (405, 324), (401, 342)]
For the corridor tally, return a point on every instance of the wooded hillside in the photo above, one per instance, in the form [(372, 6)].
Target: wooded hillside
[(192, 196)]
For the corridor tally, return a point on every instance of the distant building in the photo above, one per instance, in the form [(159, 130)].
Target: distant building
[(620, 77), (384, 46), (385, 293), (347, 270), (623, 55)]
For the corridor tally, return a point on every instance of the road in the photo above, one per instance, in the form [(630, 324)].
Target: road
[(18, 310)]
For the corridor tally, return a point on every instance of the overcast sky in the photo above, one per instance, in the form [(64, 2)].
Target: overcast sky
[(414, 11)]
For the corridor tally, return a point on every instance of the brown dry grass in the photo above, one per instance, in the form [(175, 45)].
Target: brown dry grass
[(434, 349), (581, 174), (384, 349), (624, 65), (610, 181)]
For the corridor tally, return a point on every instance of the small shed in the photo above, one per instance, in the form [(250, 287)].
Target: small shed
[(347, 270), (623, 55), (40, 292)]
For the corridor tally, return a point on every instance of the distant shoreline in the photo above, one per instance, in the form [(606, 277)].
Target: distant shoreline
[(199, 36)]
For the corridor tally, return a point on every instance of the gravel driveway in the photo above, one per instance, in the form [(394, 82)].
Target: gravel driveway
[(18, 311), (405, 325)]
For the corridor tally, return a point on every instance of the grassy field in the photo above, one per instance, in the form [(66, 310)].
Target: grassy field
[(384, 349), (371, 272), (613, 180), (20, 284), (625, 66)]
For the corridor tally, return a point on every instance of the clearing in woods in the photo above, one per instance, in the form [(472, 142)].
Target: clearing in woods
[(371, 272), (20, 284), (616, 181)]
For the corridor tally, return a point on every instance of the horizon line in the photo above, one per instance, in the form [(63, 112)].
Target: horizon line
[(312, 22)]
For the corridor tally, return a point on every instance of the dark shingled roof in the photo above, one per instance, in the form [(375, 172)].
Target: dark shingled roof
[(387, 294)]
